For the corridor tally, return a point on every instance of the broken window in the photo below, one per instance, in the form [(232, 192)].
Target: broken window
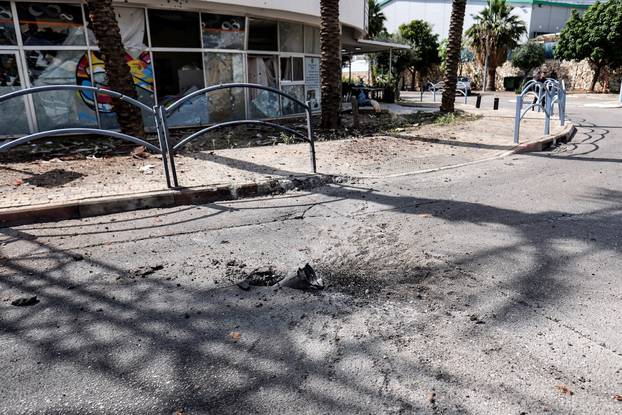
[(263, 35), (7, 31), (224, 68), (291, 37), (10, 123), (222, 31), (60, 109), (178, 74), (45, 24), (262, 70), (289, 106), (292, 69), (170, 29)]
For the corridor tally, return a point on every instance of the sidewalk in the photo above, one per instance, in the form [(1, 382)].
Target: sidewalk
[(409, 150)]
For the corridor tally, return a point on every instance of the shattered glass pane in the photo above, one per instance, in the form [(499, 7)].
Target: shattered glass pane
[(45, 24), (263, 104), (223, 32), (13, 119), (291, 107), (7, 31), (60, 109), (224, 68), (291, 37)]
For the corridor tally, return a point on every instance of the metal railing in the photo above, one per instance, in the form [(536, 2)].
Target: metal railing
[(545, 95), (161, 115), (62, 132), (461, 88)]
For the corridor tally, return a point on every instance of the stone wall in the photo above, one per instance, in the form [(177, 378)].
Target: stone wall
[(578, 75)]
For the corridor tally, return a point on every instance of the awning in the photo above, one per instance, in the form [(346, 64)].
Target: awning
[(362, 46)]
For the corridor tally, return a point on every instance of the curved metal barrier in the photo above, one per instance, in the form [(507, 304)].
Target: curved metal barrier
[(163, 149), (461, 88), (546, 95), (161, 114), (165, 113)]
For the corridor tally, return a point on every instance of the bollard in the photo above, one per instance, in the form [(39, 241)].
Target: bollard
[(478, 101), (517, 117), (495, 105)]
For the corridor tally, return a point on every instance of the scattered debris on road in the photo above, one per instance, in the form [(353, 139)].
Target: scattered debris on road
[(147, 169), (304, 279), (25, 301), (564, 389), (235, 336)]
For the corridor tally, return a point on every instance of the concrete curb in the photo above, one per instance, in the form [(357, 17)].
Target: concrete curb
[(542, 143), (161, 199), (189, 196), (539, 144)]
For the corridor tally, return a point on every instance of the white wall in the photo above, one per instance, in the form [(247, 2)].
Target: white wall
[(438, 13), (548, 19), (352, 12)]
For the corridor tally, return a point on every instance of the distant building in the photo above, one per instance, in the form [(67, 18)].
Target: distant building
[(540, 16)]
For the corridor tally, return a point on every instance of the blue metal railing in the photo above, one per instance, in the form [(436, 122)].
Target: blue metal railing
[(546, 94)]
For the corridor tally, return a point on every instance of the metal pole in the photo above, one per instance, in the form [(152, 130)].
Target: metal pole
[(519, 107), (160, 133), (165, 138), (485, 67), (547, 112), (310, 136)]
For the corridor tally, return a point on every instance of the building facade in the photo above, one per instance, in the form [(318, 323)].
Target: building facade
[(172, 48), (540, 16)]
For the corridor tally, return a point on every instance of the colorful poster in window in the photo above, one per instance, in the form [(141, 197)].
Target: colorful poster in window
[(140, 68)]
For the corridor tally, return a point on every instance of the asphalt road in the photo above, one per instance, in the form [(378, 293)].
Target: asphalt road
[(490, 289)]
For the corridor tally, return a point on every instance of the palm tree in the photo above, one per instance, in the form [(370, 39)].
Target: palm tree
[(375, 19), (452, 57), (330, 63), (495, 31), (106, 29)]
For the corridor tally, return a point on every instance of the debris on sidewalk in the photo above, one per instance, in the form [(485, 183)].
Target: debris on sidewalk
[(140, 152), (25, 301), (564, 389), (304, 279), (235, 336), (144, 271), (147, 169)]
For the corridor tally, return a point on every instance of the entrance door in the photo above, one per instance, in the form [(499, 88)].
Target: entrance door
[(262, 70), (14, 119)]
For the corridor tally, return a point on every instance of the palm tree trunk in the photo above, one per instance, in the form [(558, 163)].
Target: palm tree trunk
[(454, 46), (330, 63), (106, 29), (492, 78)]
